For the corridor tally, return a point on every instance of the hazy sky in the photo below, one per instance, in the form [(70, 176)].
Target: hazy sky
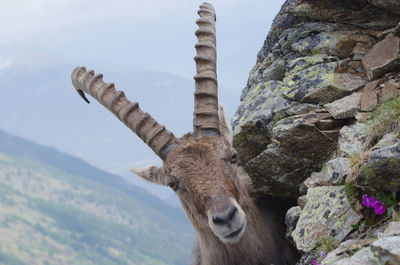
[(156, 35), (151, 34)]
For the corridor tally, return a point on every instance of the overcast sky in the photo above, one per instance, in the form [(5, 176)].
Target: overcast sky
[(109, 35), (151, 34)]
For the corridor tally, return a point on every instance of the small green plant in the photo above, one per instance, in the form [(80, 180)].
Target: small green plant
[(357, 225), (357, 159), (390, 201), (385, 118), (351, 252), (352, 193), (327, 245)]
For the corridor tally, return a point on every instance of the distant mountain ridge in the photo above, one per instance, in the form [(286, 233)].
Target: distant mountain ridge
[(39, 103), (18, 146), (58, 209)]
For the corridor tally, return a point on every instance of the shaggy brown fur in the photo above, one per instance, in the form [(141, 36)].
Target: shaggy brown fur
[(204, 178)]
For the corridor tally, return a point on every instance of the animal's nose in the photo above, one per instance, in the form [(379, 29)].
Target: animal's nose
[(224, 218)]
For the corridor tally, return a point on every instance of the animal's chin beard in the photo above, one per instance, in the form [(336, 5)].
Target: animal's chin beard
[(233, 237)]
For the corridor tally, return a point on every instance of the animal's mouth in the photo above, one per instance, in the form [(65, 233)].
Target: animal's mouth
[(235, 234), (232, 229)]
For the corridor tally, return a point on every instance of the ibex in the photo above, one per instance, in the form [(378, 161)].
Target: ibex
[(215, 193)]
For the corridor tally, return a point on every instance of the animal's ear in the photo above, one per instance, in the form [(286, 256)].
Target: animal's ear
[(224, 126), (150, 173)]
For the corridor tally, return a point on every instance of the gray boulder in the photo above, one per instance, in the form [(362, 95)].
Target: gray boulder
[(320, 84), (391, 6), (261, 108), (370, 251), (297, 148), (382, 170), (334, 173), (382, 58), (351, 139), (291, 218), (326, 216), (346, 107)]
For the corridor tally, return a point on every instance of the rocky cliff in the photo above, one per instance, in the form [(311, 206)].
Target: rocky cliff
[(319, 121)]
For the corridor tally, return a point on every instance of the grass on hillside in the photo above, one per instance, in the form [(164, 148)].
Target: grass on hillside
[(50, 217)]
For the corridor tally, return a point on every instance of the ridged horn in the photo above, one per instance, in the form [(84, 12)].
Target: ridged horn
[(205, 120), (159, 139)]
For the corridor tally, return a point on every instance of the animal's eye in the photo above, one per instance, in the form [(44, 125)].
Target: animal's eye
[(173, 186), (234, 159)]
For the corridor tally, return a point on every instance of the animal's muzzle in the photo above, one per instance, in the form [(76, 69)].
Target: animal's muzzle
[(225, 219)]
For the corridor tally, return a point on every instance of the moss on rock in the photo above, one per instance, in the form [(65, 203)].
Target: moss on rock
[(382, 171), (320, 84)]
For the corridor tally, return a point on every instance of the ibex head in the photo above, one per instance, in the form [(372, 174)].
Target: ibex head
[(199, 167), (203, 174)]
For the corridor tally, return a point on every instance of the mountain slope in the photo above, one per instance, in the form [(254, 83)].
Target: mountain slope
[(18, 146), (49, 215)]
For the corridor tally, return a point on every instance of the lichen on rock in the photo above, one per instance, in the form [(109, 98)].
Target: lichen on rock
[(261, 108), (334, 173), (327, 214), (382, 171), (346, 107), (320, 110), (297, 149), (371, 251), (351, 139), (320, 84), (291, 219)]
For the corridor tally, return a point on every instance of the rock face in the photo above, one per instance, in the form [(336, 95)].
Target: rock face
[(327, 215), (320, 84), (363, 255), (317, 58), (382, 171), (334, 173), (320, 117), (291, 218), (297, 148), (351, 139), (346, 107), (369, 98), (382, 58), (385, 250), (392, 6)]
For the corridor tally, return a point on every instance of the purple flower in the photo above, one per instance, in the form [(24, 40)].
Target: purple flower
[(368, 201), (379, 208), (371, 202), (314, 262), (322, 254)]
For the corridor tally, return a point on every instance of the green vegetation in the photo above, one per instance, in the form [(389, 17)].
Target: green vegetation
[(48, 216), (353, 194), (327, 244), (357, 159), (19, 147), (385, 118), (391, 201), (357, 225)]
